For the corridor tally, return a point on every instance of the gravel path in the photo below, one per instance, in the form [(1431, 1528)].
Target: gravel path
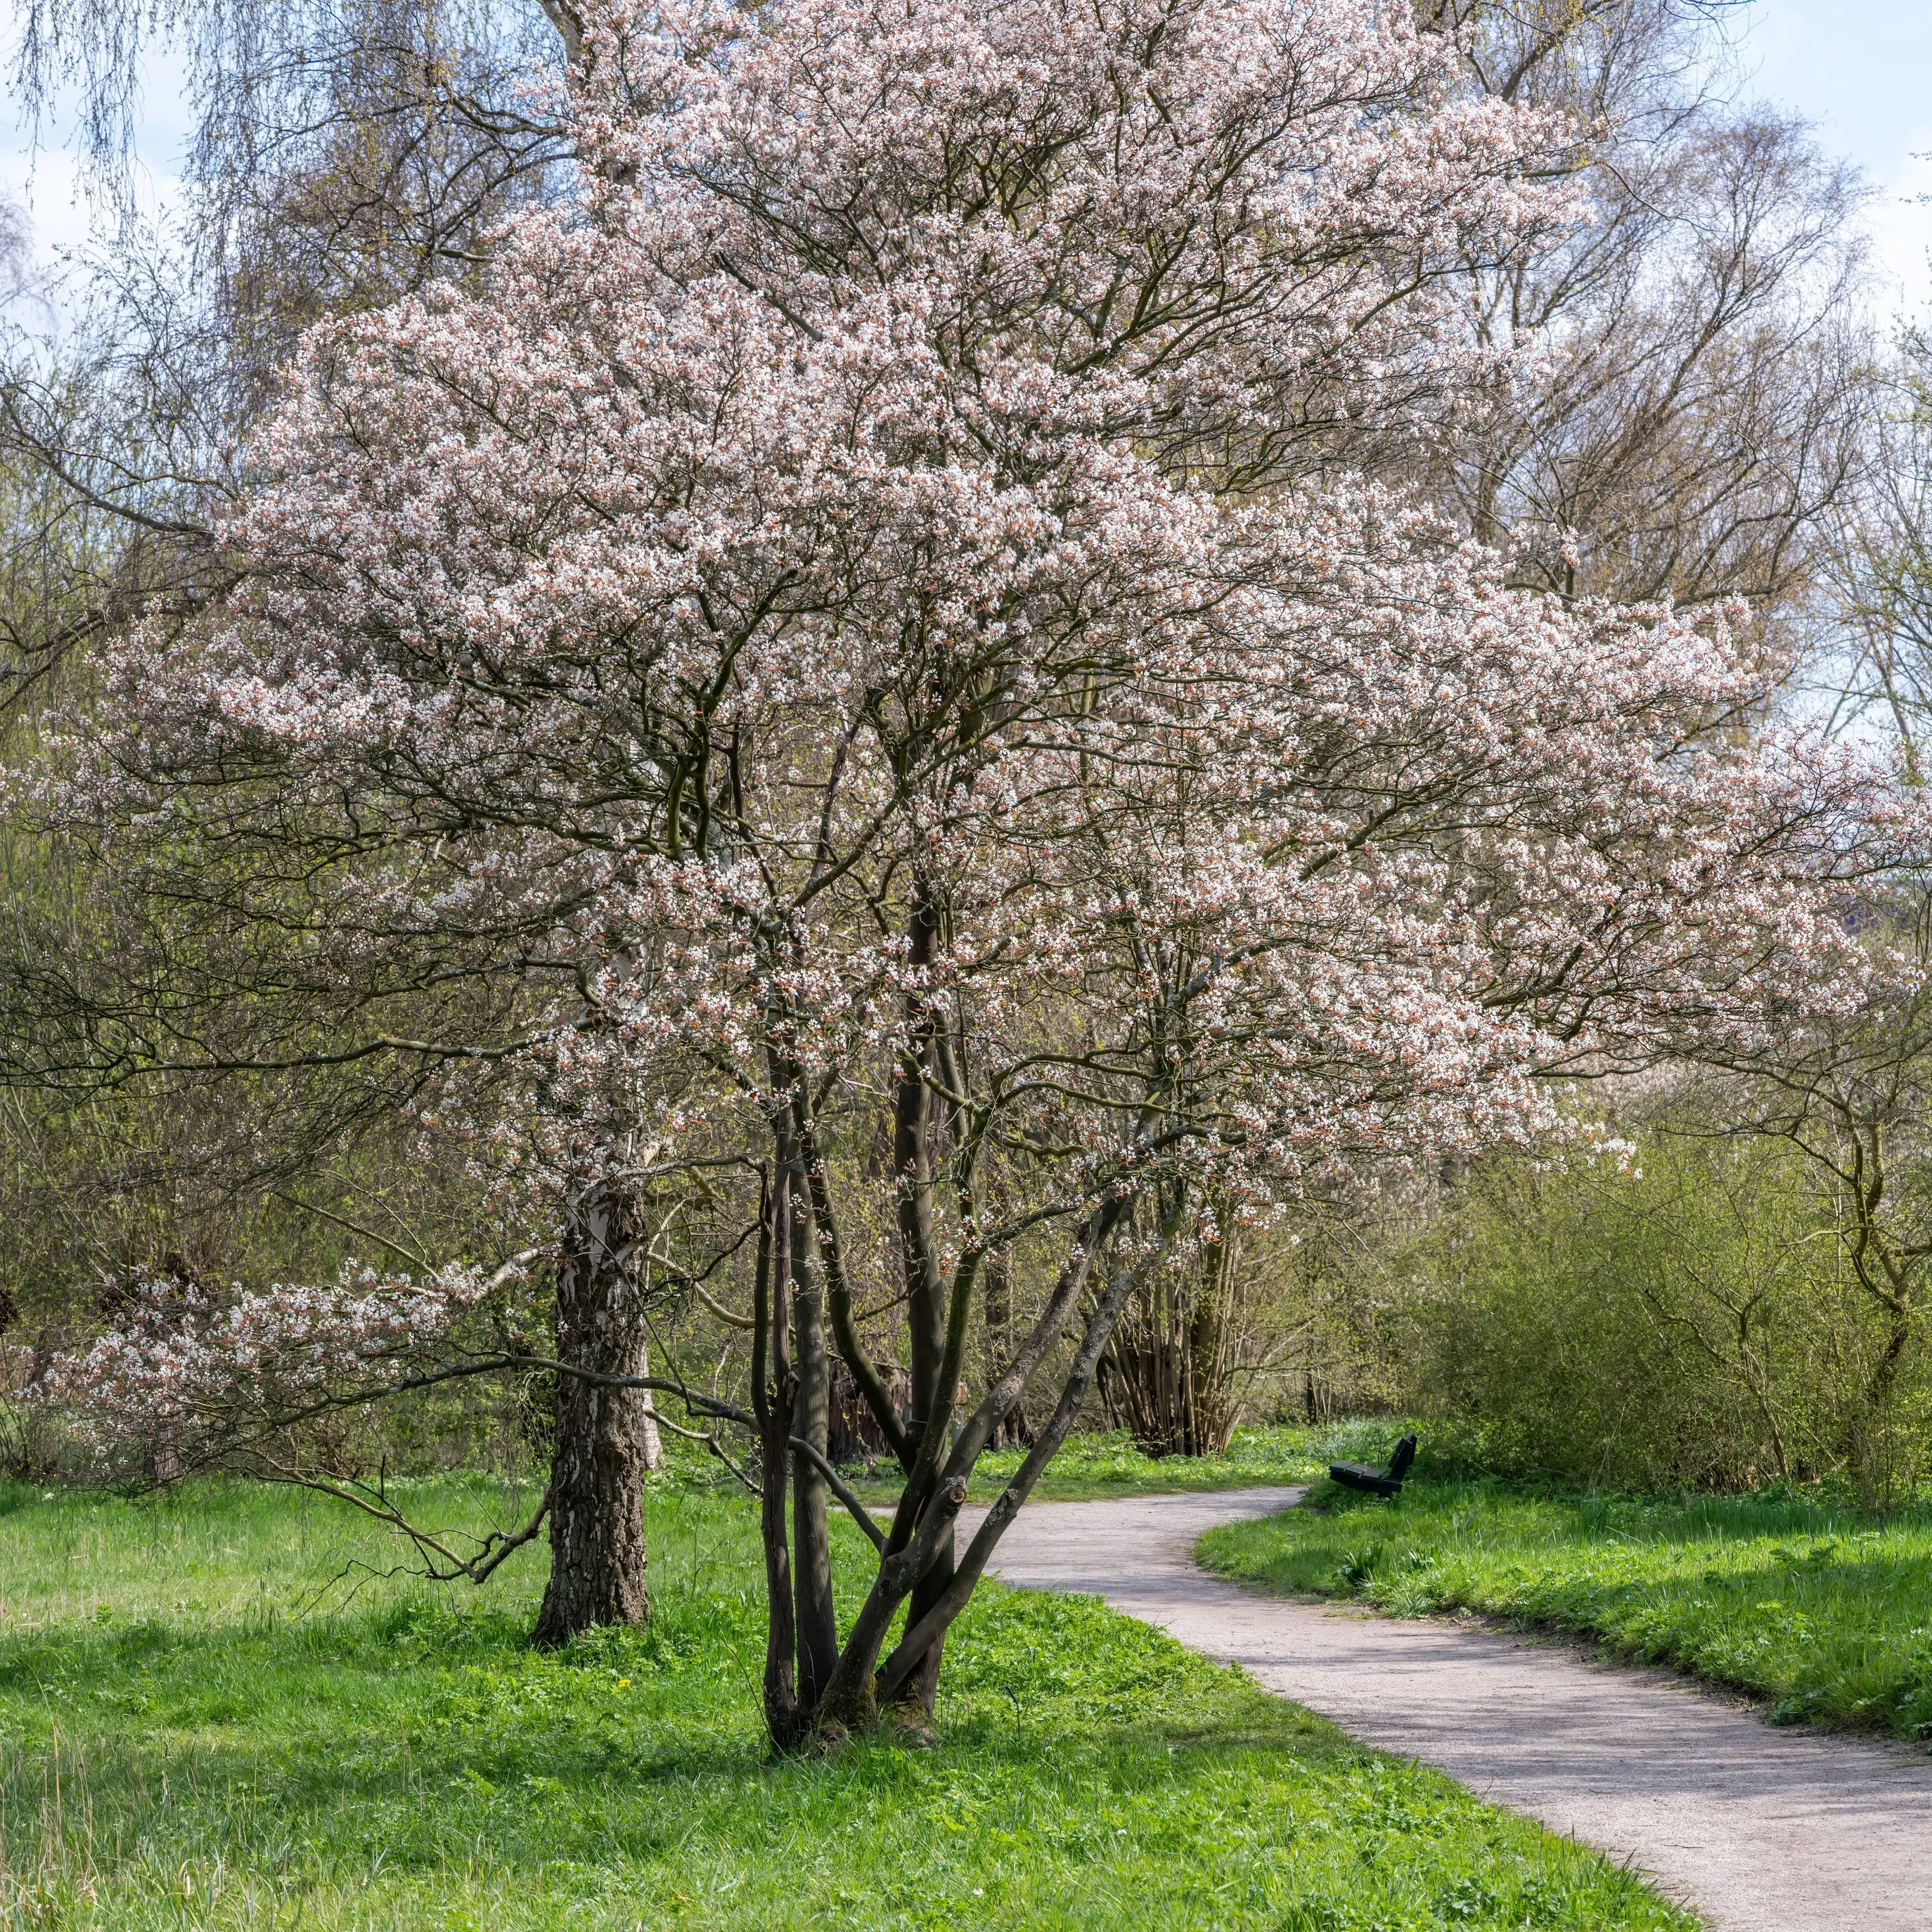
[(1760, 1830)]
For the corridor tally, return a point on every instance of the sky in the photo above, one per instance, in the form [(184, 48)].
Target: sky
[(1861, 69)]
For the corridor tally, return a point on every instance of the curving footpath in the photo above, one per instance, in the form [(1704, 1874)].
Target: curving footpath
[(1758, 1829)]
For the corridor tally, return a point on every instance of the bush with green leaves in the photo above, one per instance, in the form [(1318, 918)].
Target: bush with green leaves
[(1688, 1319)]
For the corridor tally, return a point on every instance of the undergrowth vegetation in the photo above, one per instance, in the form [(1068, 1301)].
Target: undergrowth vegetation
[(1823, 1611), (1693, 1319), (219, 1710)]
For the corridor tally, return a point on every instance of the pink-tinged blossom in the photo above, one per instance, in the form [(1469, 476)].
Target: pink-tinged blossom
[(909, 474), (185, 1370)]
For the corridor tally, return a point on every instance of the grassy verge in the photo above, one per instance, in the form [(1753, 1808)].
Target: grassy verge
[(193, 1734), (1091, 1466), (1824, 1612)]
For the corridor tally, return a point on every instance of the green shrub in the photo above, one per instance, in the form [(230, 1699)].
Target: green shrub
[(1690, 1321)]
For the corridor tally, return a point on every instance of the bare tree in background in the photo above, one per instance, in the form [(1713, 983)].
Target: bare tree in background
[(343, 154), (1691, 419), (418, 86), (1875, 670), (1852, 1092)]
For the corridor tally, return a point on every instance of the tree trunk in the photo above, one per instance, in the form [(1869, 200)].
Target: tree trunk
[(925, 1299), (922, 1689), (772, 1397), (1172, 1372), (812, 1571), (601, 1448)]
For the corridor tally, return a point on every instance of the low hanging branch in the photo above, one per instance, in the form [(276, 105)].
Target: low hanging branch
[(444, 1564)]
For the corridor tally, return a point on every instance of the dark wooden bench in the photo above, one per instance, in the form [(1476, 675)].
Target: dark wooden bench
[(1377, 1482)]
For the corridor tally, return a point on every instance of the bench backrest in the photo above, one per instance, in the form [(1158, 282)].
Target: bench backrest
[(1405, 1454)]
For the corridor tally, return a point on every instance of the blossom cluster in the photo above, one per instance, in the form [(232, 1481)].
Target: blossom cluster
[(873, 585), (182, 1369)]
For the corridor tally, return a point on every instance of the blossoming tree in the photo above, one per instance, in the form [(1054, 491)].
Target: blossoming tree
[(862, 628)]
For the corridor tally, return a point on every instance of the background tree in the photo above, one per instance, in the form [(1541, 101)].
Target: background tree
[(1872, 668), (1692, 418), (1848, 1092)]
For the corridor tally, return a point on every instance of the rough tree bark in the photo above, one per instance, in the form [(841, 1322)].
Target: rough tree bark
[(601, 1449), (817, 1629)]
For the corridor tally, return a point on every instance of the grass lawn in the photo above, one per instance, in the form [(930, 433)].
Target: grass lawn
[(1090, 1465), (199, 1730), (1826, 1613)]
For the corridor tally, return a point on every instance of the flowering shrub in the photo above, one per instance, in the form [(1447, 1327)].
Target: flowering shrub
[(184, 1373), (860, 630)]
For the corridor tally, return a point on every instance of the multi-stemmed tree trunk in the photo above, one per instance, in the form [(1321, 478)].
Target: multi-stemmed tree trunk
[(793, 1366), (816, 1621), (792, 1383), (916, 1185), (604, 1436), (774, 1402), (1174, 1370)]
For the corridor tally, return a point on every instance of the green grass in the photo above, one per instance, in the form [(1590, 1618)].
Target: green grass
[(199, 1728), (1822, 1612), (1094, 1466)]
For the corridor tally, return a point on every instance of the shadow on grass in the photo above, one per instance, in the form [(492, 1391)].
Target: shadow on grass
[(411, 1763)]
